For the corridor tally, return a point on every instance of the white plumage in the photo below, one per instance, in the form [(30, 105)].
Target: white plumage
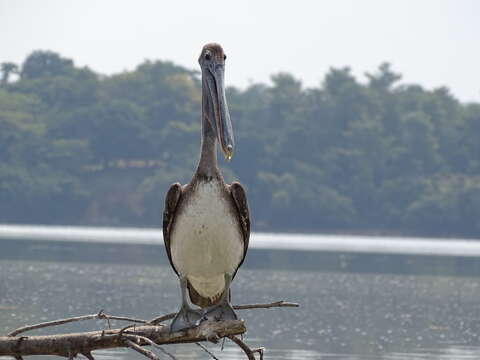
[(206, 242)]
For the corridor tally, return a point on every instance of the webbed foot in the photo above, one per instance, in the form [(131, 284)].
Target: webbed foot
[(186, 318), (221, 311)]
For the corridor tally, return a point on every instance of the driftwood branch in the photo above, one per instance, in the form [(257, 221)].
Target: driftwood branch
[(139, 339), (141, 350), (275, 304), (246, 349), (132, 336), (99, 315), (81, 343)]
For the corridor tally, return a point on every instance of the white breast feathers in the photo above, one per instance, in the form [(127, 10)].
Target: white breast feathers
[(206, 241)]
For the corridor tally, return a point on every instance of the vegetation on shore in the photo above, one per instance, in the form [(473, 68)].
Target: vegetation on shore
[(77, 147)]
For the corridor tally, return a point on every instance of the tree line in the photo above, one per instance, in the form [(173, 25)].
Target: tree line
[(78, 147)]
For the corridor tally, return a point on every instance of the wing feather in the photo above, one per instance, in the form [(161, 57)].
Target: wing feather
[(172, 199), (240, 199)]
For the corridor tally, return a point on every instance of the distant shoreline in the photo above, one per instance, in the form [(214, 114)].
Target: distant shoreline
[(282, 251), (360, 233)]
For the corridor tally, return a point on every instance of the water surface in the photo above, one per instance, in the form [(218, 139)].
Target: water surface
[(342, 315)]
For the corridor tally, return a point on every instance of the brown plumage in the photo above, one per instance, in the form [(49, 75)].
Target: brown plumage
[(174, 200), (216, 128)]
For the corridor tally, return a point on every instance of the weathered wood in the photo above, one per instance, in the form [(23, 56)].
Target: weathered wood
[(149, 354), (246, 349), (86, 342), (133, 336), (99, 315)]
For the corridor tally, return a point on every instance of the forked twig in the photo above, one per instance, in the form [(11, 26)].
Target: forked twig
[(259, 350), (51, 323), (250, 354), (122, 318), (141, 350), (139, 338), (162, 318), (99, 315), (69, 345), (281, 303)]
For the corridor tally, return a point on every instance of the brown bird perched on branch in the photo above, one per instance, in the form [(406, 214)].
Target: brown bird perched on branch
[(206, 223)]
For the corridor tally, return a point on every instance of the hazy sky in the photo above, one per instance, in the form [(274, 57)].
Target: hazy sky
[(431, 42)]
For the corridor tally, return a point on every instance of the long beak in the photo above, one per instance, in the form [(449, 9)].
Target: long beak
[(221, 116)]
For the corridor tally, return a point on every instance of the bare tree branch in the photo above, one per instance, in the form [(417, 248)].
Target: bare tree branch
[(281, 303), (243, 346), (122, 318), (259, 350), (99, 315), (51, 323), (162, 318), (150, 342), (266, 306), (133, 336), (142, 350), (82, 343)]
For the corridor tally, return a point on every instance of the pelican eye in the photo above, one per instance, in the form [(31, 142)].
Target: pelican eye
[(208, 56)]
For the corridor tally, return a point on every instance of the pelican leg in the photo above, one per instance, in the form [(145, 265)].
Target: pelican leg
[(187, 317), (223, 310)]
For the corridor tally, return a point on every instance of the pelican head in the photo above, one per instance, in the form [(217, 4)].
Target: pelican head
[(215, 108)]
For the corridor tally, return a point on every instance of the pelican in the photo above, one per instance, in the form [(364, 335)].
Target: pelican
[(206, 223)]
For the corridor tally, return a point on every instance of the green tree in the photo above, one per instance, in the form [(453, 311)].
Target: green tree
[(80, 147), (7, 68), (40, 64)]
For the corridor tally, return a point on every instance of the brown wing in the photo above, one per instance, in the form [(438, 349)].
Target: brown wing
[(240, 200), (172, 200)]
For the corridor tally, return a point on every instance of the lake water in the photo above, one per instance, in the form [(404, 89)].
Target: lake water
[(342, 315)]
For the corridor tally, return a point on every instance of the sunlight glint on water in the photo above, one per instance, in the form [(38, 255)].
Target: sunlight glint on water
[(343, 316)]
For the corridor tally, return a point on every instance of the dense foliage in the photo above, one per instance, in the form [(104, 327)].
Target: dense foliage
[(81, 148)]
